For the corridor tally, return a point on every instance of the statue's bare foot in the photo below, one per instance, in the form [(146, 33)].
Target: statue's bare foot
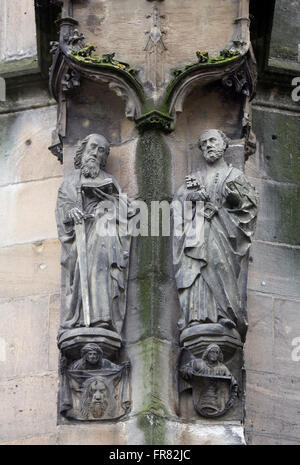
[(227, 323)]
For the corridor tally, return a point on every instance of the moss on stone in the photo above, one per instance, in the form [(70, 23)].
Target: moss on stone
[(225, 57), (151, 419), (84, 56), (153, 428), (153, 171)]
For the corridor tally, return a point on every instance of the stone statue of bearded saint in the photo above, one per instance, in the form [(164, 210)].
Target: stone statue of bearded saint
[(81, 199), (211, 269)]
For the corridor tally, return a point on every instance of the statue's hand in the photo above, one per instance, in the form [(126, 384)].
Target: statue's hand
[(200, 195), (75, 215), (232, 197), (187, 372)]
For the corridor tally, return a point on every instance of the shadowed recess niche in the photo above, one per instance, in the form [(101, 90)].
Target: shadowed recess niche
[(204, 107), (95, 109)]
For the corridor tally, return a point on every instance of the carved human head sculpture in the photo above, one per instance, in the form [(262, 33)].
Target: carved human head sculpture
[(91, 155), (92, 354), (212, 354), (213, 144), (94, 400)]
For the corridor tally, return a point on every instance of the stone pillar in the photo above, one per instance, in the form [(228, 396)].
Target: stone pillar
[(150, 95)]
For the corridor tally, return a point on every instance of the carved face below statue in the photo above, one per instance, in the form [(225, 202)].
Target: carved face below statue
[(94, 400)]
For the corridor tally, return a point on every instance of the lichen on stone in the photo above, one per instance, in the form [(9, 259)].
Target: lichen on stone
[(85, 55), (204, 60), (202, 56)]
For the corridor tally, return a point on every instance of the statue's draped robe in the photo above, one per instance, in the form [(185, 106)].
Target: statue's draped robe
[(210, 269), (107, 254)]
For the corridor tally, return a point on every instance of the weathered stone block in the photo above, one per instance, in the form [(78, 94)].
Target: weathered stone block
[(121, 164), (255, 439), (156, 316), (273, 405), (54, 311), (279, 214), (123, 433), (25, 137), (152, 361), (44, 440), (194, 434), (28, 406), (285, 35), (279, 145), (259, 342), (28, 211), (17, 28), (274, 269), (24, 328), (30, 269), (286, 329), (107, 22)]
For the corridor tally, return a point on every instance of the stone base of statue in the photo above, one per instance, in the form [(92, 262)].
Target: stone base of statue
[(211, 373), (71, 341), (94, 386), (94, 395), (197, 338)]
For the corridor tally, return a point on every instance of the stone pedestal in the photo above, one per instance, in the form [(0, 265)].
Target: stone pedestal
[(196, 338), (72, 340)]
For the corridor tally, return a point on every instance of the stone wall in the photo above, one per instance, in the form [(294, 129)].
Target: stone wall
[(274, 279), (29, 274), (274, 274), (30, 270)]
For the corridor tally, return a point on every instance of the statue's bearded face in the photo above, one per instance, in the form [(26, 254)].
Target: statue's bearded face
[(212, 146), (94, 156)]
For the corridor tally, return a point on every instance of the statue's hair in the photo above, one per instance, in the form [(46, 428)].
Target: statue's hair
[(208, 349), (81, 149), (222, 134), (91, 346), (87, 395)]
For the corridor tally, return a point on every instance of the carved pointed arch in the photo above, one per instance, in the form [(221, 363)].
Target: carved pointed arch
[(73, 57), (72, 61), (235, 72)]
